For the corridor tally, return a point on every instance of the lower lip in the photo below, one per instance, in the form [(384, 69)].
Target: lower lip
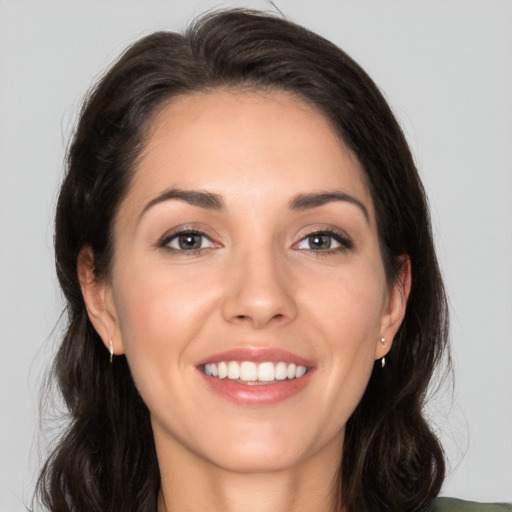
[(257, 394)]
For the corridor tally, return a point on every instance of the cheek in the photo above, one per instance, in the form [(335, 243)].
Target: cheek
[(159, 315), (158, 303), (350, 304), (347, 314)]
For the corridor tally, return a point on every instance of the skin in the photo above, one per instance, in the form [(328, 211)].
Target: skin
[(257, 282)]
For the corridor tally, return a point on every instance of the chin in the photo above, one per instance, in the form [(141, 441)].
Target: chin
[(264, 461), (259, 453)]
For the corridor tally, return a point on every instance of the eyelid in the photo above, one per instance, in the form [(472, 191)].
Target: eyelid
[(341, 237), (343, 240), (184, 230)]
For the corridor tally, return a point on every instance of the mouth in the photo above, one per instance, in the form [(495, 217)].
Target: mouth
[(252, 373), (255, 376)]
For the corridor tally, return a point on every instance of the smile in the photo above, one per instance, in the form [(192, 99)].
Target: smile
[(250, 372), (256, 377)]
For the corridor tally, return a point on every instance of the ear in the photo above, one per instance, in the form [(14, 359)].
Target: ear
[(396, 305), (99, 301)]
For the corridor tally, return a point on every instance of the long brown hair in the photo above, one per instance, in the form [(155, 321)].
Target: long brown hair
[(106, 460)]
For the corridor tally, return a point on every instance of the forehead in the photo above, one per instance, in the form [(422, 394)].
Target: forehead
[(234, 142)]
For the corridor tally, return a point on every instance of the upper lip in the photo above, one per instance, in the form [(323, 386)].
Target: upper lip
[(257, 355)]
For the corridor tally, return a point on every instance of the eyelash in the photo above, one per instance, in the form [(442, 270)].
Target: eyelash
[(345, 243), (164, 244)]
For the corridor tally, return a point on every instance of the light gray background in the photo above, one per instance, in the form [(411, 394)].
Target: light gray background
[(446, 68)]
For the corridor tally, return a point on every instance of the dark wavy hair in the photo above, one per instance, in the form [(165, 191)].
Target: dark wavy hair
[(106, 460)]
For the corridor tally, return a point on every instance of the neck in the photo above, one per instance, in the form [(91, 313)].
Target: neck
[(197, 485)]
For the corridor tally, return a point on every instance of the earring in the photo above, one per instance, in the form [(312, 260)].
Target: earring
[(111, 350), (383, 360)]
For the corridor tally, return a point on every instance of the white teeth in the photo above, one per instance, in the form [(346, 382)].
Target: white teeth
[(211, 370), (248, 371), (233, 370), (300, 371), (223, 370), (266, 372), (281, 371)]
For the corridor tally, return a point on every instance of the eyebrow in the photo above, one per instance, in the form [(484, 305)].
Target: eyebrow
[(213, 201), (203, 199), (314, 200)]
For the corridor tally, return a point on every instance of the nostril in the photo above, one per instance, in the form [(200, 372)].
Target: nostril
[(275, 317)]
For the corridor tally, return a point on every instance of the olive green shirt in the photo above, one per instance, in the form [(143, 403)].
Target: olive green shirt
[(454, 505)]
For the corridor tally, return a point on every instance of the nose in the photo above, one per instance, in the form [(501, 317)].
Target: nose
[(258, 291)]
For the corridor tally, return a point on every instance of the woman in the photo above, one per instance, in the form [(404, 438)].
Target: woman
[(243, 229)]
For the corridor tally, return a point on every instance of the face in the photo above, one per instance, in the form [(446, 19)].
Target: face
[(247, 289)]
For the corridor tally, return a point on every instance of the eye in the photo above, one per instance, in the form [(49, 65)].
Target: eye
[(325, 241), (187, 241)]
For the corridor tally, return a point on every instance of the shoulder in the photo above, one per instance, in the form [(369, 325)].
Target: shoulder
[(454, 505)]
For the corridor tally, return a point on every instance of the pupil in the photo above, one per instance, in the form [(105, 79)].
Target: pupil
[(319, 241), (190, 241)]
